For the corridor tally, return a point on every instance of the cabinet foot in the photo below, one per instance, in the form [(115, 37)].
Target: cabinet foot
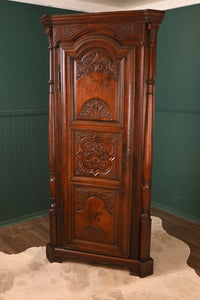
[(135, 267), (51, 254), (144, 268)]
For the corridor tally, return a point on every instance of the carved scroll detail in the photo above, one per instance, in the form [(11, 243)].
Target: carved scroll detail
[(96, 155), (153, 28), (126, 28), (96, 61), (70, 29), (95, 109), (49, 32), (66, 30)]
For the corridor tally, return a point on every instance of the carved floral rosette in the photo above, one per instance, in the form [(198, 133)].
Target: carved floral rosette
[(96, 155)]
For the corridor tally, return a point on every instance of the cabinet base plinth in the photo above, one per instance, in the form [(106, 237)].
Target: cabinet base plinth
[(136, 267)]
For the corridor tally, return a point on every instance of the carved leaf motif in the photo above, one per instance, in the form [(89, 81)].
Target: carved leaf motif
[(126, 28), (66, 30), (108, 199), (96, 155), (70, 29), (95, 109), (153, 28), (96, 61)]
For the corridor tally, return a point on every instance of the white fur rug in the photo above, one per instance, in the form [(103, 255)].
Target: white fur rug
[(29, 276)]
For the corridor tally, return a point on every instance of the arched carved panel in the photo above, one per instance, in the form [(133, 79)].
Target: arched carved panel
[(95, 109), (98, 75), (109, 199), (96, 61)]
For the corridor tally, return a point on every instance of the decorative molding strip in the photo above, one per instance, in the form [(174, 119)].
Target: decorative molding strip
[(126, 27), (177, 111), (175, 212), (66, 30), (23, 112)]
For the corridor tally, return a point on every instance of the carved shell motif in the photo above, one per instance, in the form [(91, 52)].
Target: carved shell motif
[(95, 109), (96, 61)]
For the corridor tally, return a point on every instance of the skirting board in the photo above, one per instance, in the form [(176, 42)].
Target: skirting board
[(25, 218), (175, 212)]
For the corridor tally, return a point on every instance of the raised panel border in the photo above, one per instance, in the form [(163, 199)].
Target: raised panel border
[(114, 249), (117, 55)]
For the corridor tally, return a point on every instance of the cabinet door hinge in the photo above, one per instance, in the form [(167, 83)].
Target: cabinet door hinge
[(59, 79), (61, 213)]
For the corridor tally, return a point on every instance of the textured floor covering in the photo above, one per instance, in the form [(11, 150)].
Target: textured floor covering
[(30, 276)]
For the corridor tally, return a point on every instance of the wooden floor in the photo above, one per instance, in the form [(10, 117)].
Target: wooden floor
[(34, 233), (184, 230)]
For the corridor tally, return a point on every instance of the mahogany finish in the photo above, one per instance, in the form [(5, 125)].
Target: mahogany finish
[(101, 103), (35, 233)]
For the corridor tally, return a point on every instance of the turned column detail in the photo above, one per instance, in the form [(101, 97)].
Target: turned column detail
[(148, 144), (52, 181)]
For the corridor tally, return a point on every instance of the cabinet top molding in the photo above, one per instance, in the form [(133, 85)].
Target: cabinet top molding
[(147, 15)]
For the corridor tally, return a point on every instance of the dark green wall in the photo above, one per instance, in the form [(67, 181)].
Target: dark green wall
[(176, 162), (24, 190), (24, 173)]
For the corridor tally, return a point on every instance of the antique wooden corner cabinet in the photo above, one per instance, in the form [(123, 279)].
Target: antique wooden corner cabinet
[(101, 111)]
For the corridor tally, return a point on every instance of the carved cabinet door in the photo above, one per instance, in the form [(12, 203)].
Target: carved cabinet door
[(94, 134)]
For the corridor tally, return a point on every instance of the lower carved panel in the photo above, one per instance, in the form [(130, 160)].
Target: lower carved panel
[(95, 214), (94, 223), (94, 234)]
